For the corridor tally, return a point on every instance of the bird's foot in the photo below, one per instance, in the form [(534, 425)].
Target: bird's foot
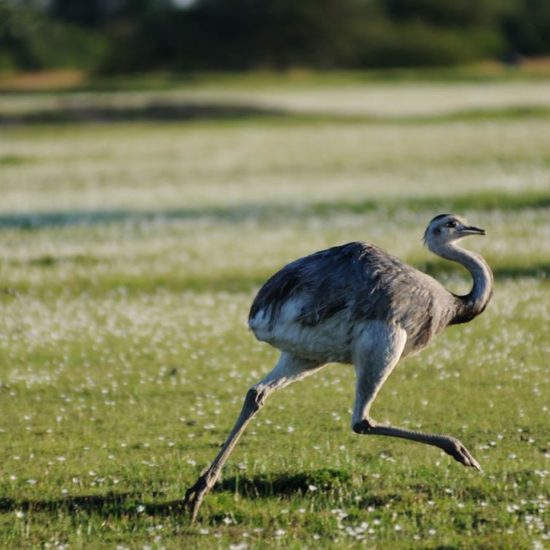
[(195, 495), (458, 451)]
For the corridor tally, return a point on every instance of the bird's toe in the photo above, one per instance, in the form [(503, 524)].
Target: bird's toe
[(195, 495), (461, 454)]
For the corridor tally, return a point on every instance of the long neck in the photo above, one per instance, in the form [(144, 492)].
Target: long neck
[(473, 303)]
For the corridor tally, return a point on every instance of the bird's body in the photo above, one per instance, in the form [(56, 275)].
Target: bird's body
[(357, 304), (316, 307)]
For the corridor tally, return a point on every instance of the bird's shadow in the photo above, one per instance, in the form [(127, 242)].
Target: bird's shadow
[(108, 505), (284, 484), (136, 503)]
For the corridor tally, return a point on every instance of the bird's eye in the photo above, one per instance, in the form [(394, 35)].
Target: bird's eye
[(450, 224)]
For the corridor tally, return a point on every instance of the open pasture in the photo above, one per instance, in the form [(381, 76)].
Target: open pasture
[(131, 250)]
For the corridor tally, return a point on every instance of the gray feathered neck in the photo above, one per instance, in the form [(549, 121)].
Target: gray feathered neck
[(472, 304)]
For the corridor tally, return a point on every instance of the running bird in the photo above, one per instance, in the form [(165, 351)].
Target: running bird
[(357, 304)]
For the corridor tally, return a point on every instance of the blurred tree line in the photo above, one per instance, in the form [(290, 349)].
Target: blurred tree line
[(141, 35)]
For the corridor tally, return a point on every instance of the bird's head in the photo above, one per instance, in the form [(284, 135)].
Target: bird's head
[(446, 228)]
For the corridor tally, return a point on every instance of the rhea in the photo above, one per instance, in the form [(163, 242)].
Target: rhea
[(359, 305)]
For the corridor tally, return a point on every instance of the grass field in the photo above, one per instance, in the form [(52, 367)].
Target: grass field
[(134, 232)]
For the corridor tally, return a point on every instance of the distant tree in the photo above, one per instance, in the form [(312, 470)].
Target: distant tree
[(415, 43), (527, 28), (143, 35), (18, 46), (243, 34), (30, 41), (449, 13), (88, 13)]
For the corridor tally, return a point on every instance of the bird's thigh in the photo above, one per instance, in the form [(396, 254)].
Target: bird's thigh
[(377, 348)]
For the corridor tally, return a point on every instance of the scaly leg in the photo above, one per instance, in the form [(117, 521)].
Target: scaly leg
[(377, 352), (288, 369)]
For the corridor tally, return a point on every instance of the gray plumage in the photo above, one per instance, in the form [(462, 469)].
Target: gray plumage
[(357, 304), (363, 282)]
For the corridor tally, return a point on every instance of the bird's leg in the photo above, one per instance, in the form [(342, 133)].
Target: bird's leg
[(376, 355), (289, 369)]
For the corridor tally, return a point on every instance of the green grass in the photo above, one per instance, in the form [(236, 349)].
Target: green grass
[(129, 255)]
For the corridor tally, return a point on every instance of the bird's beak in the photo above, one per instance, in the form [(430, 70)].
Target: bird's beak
[(472, 230)]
